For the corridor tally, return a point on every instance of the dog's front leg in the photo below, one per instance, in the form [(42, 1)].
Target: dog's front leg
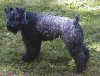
[(32, 51)]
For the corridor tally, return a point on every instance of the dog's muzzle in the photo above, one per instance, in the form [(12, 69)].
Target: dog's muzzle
[(11, 28)]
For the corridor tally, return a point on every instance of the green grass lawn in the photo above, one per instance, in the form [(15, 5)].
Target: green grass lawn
[(54, 58)]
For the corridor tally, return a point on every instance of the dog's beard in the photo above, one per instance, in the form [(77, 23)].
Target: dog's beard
[(11, 29)]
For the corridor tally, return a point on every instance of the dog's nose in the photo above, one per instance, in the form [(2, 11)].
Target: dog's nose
[(8, 27), (9, 24)]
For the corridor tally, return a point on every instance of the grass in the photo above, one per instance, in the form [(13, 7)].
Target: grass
[(54, 58)]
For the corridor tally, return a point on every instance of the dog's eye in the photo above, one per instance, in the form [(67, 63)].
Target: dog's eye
[(17, 17)]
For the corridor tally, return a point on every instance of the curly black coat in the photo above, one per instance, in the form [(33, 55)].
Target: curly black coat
[(37, 27)]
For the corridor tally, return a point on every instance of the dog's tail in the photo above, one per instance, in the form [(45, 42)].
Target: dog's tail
[(77, 17)]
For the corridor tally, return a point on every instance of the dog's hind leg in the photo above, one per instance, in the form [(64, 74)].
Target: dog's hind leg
[(73, 39), (80, 54), (77, 49)]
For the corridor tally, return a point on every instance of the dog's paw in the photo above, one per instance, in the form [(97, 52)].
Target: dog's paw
[(27, 58)]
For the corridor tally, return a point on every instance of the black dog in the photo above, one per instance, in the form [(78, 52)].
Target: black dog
[(37, 27)]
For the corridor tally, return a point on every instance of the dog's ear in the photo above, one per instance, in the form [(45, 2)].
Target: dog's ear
[(20, 10), (8, 10)]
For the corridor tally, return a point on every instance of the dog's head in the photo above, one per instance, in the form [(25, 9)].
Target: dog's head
[(16, 18)]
